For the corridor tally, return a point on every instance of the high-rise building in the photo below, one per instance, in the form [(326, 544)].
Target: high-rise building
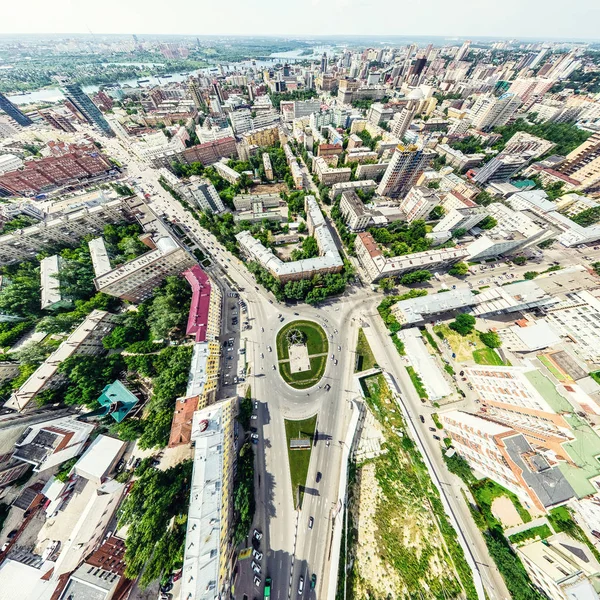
[(583, 164), (489, 111), (402, 120), (406, 166), (463, 51), (87, 108), (13, 112), (324, 63), (419, 202)]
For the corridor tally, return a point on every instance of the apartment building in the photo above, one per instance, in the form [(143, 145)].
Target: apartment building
[(360, 156), (329, 176), (207, 153), (418, 203), (204, 320), (84, 105), (404, 169), (504, 455), (51, 296), (583, 163), (268, 166), (460, 218), (489, 112), (295, 169), (501, 168), (136, 280), (523, 142), (353, 211), (577, 318), (377, 266), (371, 171), (208, 549), (86, 339), (338, 188), (561, 567), (329, 260), (461, 161), (527, 401), (201, 192)]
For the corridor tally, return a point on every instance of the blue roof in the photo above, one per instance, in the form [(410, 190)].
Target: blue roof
[(117, 400)]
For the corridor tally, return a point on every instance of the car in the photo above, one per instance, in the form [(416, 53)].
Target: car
[(269, 349), (436, 437), (422, 418), (328, 442), (339, 348), (423, 400), (254, 417), (253, 429), (257, 581), (254, 436), (327, 387), (257, 555), (310, 522), (335, 362), (300, 585), (332, 357), (255, 568), (313, 581), (274, 367), (432, 429), (319, 475), (262, 355), (254, 441), (257, 534), (256, 404), (12, 534)]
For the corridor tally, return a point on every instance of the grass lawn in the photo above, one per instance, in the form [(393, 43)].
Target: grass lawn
[(316, 339), (487, 356), (365, 359), (304, 379), (414, 377), (463, 347), (316, 343), (299, 459)]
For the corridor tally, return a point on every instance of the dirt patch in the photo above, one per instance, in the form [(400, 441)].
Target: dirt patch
[(504, 510), (269, 188)]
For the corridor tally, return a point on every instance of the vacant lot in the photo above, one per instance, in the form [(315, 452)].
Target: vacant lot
[(404, 545), (299, 459), (463, 347)]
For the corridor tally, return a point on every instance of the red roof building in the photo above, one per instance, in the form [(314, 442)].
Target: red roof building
[(199, 309)]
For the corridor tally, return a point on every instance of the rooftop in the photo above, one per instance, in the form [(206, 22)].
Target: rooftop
[(200, 306), (117, 400), (181, 428), (98, 458), (548, 483)]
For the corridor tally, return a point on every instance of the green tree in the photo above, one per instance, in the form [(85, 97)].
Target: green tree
[(519, 260), (415, 277), (530, 274), (457, 233), (438, 211), (387, 284), (459, 269), (491, 339), (488, 223), (464, 324)]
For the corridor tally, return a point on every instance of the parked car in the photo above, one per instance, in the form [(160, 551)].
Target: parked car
[(257, 581), (257, 555), (255, 568), (257, 534), (300, 585), (310, 522)]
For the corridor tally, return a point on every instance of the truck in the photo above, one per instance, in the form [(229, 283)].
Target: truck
[(267, 588)]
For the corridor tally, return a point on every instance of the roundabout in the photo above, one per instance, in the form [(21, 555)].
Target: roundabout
[(302, 349)]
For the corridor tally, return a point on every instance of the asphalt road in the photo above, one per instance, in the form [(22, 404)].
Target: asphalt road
[(291, 549)]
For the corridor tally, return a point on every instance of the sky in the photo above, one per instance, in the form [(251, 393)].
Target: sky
[(539, 19)]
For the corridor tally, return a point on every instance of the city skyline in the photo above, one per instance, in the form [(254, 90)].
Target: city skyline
[(516, 20)]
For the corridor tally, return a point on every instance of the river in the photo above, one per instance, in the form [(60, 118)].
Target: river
[(55, 95)]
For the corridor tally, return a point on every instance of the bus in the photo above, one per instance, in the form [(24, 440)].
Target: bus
[(267, 588)]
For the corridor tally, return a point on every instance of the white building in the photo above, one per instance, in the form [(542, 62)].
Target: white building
[(562, 568), (207, 541), (100, 459), (418, 203), (489, 111), (329, 260), (9, 162)]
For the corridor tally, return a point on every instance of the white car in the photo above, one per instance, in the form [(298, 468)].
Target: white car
[(257, 555)]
